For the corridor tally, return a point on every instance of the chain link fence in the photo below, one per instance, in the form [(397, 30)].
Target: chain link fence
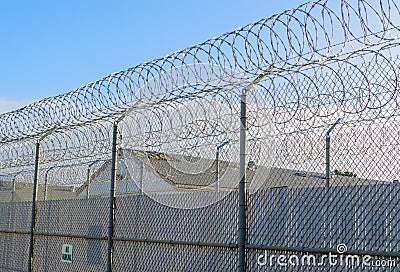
[(270, 148)]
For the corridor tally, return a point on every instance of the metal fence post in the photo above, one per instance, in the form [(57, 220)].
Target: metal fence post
[(327, 155), (14, 185), (243, 192), (46, 176), (141, 170), (88, 180), (34, 202), (88, 183), (327, 161), (242, 185), (217, 171), (13, 188), (114, 161), (217, 165)]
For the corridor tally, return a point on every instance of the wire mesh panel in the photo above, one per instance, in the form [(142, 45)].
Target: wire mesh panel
[(15, 223), (82, 254), (196, 240), (81, 224), (15, 216), (168, 257), (80, 217), (333, 175), (133, 220), (14, 252)]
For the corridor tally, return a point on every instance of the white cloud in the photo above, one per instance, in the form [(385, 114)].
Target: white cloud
[(7, 105)]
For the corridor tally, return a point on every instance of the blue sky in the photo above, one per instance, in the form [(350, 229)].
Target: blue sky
[(51, 47)]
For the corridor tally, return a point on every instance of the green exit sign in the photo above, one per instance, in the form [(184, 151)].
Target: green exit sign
[(66, 253)]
